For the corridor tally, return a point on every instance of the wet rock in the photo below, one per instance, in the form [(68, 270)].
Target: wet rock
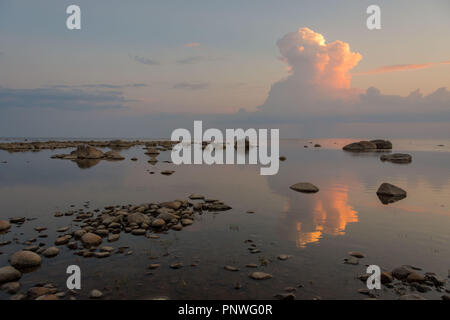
[(25, 259), (9, 274), (87, 152), (50, 252), (351, 260), (139, 232), (382, 144), (415, 277), (445, 297), (113, 155), (103, 254), (17, 220), (283, 257), (4, 225), (282, 158), (176, 265), (397, 158), (251, 265), (420, 287), (304, 187), (11, 287), (167, 172), (186, 222), (113, 237), (401, 273), (260, 275), (63, 229), (386, 277), (360, 146), (138, 218), (96, 294), (177, 227), (388, 189), (62, 240), (91, 240), (437, 281), (196, 197), (231, 268), (356, 254), (154, 266), (36, 292)]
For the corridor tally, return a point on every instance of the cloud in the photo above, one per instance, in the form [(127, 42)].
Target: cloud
[(401, 67), (318, 88), (62, 99), (145, 61), (102, 86), (195, 59), (192, 45), (190, 86)]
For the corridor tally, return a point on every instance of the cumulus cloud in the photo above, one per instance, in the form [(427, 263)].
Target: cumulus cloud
[(319, 87), (402, 67), (62, 99)]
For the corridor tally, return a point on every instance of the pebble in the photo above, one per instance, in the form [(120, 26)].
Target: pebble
[(154, 266), (176, 265), (260, 276), (96, 294), (9, 274), (25, 259), (4, 225), (356, 254), (11, 287), (50, 252), (231, 268)]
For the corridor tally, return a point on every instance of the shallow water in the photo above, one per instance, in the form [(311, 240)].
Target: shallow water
[(318, 230)]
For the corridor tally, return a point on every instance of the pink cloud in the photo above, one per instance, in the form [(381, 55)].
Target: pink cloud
[(401, 67), (192, 44)]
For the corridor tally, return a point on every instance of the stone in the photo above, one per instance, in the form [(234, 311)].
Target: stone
[(91, 240), (177, 227), (158, 223), (390, 190), (397, 158), (87, 152), (386, 277), (113, 155), (196, 197), (62, 240), (25, 259), (4, 225), (304, 187), (167, 172), (11, 287), (186, 222), (176, 265), (154, 266), (36, 292), (284, 296), (401, 273), (360, 146), (382, 144), (17, 220), (283, 257), (103, 254), (50, 252), (9, 274), (138, 232), (260, 275), (113, 237), (79, 233), (356, 254), (138, 218), (415, 277), (63, 229), (96, 294), (351, 260), (231, 268)]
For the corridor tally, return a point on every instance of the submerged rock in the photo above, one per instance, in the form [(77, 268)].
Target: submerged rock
[(397, 158), (304, 187), (260, 275), (50, 252), (9, 274), (360, 146), (25, 259), (382, 144), (389, 193), (91, 240), (4, 225), (87, 152)]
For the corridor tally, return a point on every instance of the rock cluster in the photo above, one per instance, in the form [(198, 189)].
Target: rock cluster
[(372, 145)]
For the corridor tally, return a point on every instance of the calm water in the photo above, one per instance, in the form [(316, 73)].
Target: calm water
[(316, 229)]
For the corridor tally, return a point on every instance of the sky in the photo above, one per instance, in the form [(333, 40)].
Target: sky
[(145, 68)]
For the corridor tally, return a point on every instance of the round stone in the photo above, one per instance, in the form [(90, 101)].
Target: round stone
[(25, 259)]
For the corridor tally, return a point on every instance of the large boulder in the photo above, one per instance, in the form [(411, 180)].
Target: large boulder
[(9, 274), (85, 151), (388, 189), (397, 158), (361, 146), (382, 144), (25, 259), (388, 193)]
